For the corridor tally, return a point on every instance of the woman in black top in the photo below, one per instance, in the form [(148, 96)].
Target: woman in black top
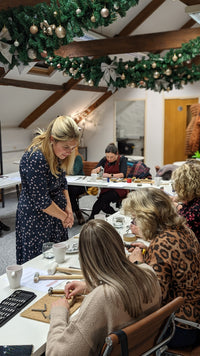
[(115, 166)]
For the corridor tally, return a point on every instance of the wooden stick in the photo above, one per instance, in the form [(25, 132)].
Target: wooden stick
[(68, 270), (70, 276)]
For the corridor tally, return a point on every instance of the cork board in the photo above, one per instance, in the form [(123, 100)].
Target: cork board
[(48, 300)]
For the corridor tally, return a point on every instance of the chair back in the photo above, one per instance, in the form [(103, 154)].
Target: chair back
[(88, 167), (144, 334)]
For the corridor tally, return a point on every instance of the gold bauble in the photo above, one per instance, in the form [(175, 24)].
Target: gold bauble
[(33, 29), (123, 76), (60, 31), (168, 71), (90, 83), (132, 85), (154, 65), (55, 13), (144, 65), (156, 75), (174, 58), (71, 70), (126, 66), (93, 18), (49, 31)]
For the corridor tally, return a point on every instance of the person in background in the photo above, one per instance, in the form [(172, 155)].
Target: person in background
[(3, 227), (114, 166), (75, 190), (173, 253), (186, 183), (118, 293), (44, 210)]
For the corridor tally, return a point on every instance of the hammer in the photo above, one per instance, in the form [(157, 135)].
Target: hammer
[(52, 291), (38, 278), (55, 268)]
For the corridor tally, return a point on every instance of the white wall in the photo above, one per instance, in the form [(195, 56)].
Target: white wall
[(104, 132), (100, 128)]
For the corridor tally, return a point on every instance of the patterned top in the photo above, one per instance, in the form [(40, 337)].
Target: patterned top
[(174, 256), (191, 211), (39, 189)]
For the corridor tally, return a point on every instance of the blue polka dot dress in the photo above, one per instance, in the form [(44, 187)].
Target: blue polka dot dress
[(39, 189)]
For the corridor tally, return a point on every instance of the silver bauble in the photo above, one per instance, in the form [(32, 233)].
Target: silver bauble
[(32, 54), (60, 31), (16, 43), (104, 12)]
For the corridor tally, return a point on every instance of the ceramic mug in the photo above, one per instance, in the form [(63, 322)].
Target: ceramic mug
[(59, 251), (14, 275)]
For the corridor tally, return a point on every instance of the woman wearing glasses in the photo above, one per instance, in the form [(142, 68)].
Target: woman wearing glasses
[(44, 210)]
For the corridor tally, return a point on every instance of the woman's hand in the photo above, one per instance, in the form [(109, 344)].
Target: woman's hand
[(74, 288), (96, 170), (141, 245), (69, 220), (136, 255), (61, 302)]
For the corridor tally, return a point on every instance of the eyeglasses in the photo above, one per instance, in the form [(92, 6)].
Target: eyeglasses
[(133, 221)]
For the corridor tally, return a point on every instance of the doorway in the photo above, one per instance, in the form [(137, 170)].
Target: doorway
[(177, 118)]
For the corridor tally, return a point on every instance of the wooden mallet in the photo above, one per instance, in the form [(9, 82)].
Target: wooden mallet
[(38, 278), (55, 268)]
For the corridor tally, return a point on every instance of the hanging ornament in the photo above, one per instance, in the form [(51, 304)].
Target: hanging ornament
[(179, 55), (123, 76), (55, 13), (144, 65), (132, 85), (174, 58), (16, 43), (168, 71), (104, 12), (60, 31), (71, 70), (156, 75), (32, 54), (78, 11), (93, 18), (43, 54), (154, 65), (33, 29), (46, 28), (90, 83), (126, 66), (58, 66)]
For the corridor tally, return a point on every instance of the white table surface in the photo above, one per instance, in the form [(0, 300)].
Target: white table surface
[(24, 331)]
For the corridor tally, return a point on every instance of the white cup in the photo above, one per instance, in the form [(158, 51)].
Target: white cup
[(118, 221), (14, 274), (59, 251), (158, 181)]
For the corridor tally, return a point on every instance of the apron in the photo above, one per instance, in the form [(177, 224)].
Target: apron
[(114, 168)]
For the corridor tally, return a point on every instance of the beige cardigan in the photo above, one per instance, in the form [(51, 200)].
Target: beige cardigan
[(100, 313)]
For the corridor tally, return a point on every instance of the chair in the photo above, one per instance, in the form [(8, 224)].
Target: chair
[(186, 351), (146, 336), (88, 166)]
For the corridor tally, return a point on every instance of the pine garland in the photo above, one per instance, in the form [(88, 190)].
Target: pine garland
[(74, 16), (156, 73)]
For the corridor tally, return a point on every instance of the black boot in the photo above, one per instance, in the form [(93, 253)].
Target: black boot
[(4, 227), (80, 217)]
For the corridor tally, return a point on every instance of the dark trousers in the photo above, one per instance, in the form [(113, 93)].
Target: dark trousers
[(103, 203), (184, 338), (74, 192)]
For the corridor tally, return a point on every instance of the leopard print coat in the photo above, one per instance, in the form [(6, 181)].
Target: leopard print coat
[(175, 257)]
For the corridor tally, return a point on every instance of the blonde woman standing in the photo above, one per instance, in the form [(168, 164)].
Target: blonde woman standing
[(119, 293), (173, 253), (44, 210)]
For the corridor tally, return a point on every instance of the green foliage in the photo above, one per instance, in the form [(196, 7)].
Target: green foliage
[(196, 155)]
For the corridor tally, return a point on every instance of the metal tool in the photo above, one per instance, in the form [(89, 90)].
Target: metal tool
[(52, 291)]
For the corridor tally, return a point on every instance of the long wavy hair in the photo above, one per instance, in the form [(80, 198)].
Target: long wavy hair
[(153, 211), (186, 181), (103, 261), (63, 128)]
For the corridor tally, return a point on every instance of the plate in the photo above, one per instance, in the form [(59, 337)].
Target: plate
[(72, 249)]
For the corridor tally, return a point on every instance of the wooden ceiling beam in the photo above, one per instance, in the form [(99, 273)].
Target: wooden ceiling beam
[(48, 103), (190, 2), (141, 17), (141, 43), (5, 4)]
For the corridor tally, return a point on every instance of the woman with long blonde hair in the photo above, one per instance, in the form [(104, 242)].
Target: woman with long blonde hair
[(44, 210), (118, 293), (173, 253)]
